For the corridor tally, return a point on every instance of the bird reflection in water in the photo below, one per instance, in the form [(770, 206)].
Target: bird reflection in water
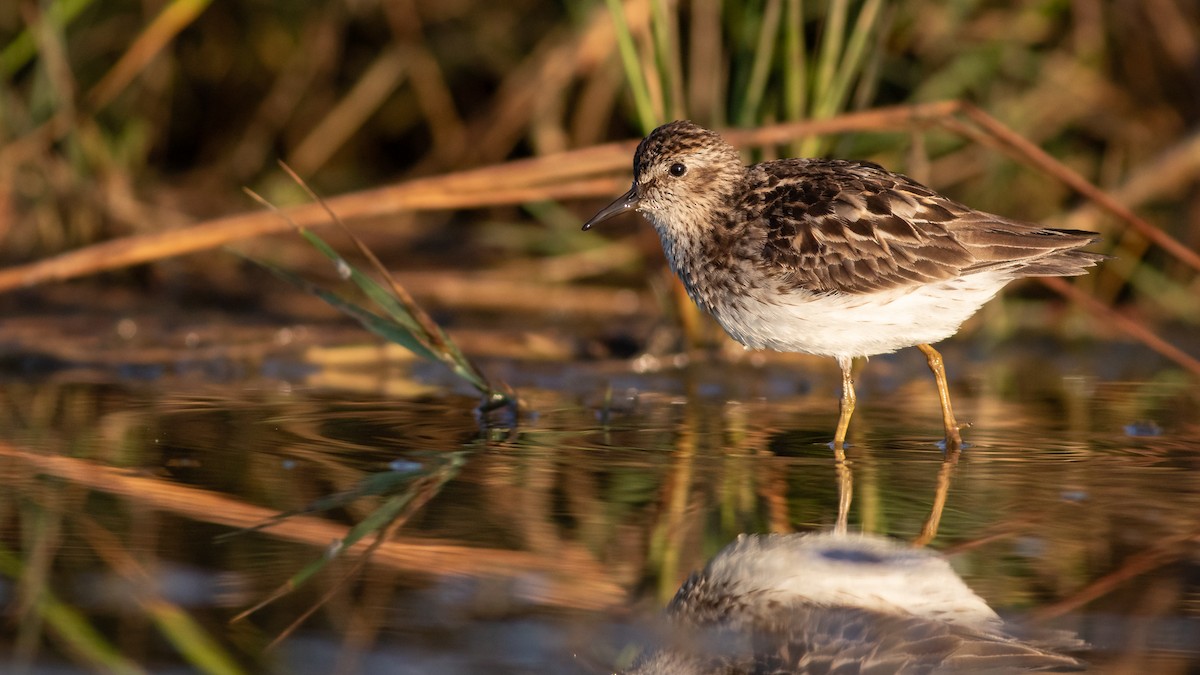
[(839, 603)]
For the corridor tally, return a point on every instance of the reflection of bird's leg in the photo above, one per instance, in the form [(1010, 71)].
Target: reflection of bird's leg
[(953, 439), (930, 528), (848, 399), (845, 491)]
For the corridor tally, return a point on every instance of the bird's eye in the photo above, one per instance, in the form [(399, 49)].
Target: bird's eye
[(678, 169)]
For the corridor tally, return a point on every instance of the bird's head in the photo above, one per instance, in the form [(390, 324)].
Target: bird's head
[(682, 173)]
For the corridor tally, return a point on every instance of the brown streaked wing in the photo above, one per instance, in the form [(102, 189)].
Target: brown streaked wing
[(850, 640), (1026, 249), (753, 635), (849, 227)]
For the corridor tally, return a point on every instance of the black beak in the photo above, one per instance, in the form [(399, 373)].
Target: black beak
[(625, 202)]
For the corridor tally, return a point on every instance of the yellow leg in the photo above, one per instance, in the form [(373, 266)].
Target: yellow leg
[(953, 438), (848, 399), (845, 492), (930, 529)]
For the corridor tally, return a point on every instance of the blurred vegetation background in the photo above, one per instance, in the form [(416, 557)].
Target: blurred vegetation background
[(120, 118)]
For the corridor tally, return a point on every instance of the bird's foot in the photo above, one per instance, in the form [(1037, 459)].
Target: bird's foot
[(953, 441), (952, 446)]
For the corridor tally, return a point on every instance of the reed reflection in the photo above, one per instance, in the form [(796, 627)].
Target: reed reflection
[(929, 530)]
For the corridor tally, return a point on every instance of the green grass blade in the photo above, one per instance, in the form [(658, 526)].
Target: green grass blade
[(795, 65), (833, 35), (192, 641), (670, 68), (633, 67), (853, 58), (375, 292), (21, 49), (764, 54), (840, 61), (71, 626), (379, 325), (377, 519), (380, 518), (376, 484), (435, 344), (413, 323)]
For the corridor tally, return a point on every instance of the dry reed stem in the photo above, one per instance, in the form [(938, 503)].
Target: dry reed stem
[(1044, 161), (1170, 172), (276, 107), (425, 194), (541, 178), (1162, 553), (564, 267), (1130, 326), (515, 182), (486, 292), (998, 532), (176, 16), (428, 83), (573, 579), (385, 74), (434, 98), (149, 597), (554, 62)]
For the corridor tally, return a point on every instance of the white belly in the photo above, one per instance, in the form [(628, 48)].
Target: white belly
[(858, 325)]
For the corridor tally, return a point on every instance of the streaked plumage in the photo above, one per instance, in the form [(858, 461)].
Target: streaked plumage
[(830, 257), (838, 603)]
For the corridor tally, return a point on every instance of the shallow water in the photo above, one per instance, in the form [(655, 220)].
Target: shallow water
[(548, 548)]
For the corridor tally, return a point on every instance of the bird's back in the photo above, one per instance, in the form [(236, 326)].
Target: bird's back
[(834, 226), (798, 604)]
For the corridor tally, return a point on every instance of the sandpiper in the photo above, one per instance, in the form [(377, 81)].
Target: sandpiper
[(826, 603), (831, 257)]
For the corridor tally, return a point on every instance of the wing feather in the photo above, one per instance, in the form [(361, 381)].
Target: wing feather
[(831, 226)]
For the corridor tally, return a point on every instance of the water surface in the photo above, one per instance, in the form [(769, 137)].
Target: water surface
[(549, 547)]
